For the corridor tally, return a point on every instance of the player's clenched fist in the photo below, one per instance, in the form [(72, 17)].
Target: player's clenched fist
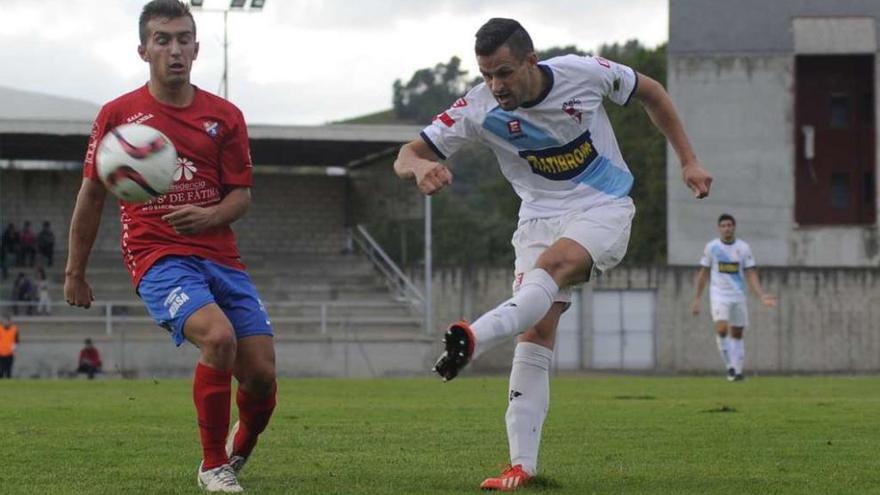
[(78, 292), (432, 177)]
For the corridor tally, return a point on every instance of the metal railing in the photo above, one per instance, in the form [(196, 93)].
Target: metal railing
[(112, 313), (402, 286)]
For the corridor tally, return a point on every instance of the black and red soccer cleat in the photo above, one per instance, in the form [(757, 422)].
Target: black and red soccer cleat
[(459, 341)]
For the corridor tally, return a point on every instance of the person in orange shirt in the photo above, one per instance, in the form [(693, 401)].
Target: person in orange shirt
[(8, 343)]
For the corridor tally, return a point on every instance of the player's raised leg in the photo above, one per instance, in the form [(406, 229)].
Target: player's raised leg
[(255, 371), (564, 263)]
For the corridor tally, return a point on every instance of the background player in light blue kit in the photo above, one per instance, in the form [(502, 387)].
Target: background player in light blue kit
[(730, 262)]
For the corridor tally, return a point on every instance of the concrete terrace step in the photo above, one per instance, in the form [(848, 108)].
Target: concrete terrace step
[(142, 327), (125, 308)]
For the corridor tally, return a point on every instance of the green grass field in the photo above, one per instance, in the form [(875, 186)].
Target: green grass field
[(604, 434)]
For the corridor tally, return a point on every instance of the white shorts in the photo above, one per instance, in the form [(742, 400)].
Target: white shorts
[(735, 313), (602, 230)]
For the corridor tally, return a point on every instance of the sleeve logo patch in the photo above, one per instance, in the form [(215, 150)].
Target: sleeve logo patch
[(446, 119)]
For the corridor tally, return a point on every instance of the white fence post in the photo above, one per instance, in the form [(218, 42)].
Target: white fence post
[(108, 318)]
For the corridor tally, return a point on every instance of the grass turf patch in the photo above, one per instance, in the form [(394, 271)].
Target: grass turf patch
[(604, 434)]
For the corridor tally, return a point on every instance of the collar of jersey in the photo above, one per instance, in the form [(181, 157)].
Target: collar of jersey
[(549, 72)]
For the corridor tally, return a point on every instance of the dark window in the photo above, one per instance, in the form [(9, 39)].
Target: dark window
[(839, 110), (839, 191)]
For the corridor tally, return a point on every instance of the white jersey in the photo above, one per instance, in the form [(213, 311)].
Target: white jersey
[(559, 153), (728, 263)]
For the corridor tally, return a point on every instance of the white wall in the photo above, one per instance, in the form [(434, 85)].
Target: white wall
[(739, 113)]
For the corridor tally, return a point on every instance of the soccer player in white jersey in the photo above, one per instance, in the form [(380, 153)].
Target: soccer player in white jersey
[(554, 144), (731, 264)]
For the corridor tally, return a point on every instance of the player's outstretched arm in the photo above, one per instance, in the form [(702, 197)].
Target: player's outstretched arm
[(191, 219), (417, 161), (768, 300), (662, 112), (700, 282), (83, 231)]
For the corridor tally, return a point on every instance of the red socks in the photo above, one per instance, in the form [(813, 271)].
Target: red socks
[(212, 389), (253, 416)]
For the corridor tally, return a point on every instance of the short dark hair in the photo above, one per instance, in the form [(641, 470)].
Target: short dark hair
[(169, 9), (726, 216), (498, 31)]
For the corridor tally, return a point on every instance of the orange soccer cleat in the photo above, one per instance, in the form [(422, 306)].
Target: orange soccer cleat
[(512, 478)]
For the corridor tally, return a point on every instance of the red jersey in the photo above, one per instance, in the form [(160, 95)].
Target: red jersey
[(213, 157), (90, 356)]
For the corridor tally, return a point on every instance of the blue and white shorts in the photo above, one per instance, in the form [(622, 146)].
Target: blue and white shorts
[(175, 287)]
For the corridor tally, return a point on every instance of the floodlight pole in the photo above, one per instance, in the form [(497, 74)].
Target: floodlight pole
[(429, 279), (224, 81), (225, 55)]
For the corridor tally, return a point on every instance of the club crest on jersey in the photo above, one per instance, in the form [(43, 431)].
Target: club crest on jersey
[(562, 162), (572, 108), (212, 128)]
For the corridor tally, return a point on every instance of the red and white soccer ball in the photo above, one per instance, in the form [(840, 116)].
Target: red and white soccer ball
[(136, 162)]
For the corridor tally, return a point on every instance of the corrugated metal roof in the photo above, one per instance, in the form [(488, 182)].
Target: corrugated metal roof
[(17, 104)]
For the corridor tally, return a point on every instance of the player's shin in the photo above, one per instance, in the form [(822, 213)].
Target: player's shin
[(739, 354), (254, 413), (212, 390), (724, 349), (528, 402), (526, 308)]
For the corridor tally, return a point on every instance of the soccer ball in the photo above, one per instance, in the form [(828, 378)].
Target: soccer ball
[(136, 162)]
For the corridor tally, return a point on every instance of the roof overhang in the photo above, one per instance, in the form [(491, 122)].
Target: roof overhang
[(340, 145)]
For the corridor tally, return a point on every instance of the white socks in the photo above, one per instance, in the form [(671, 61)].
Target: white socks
[(527, 307), (724, 350), (737, 354), (529, 399)]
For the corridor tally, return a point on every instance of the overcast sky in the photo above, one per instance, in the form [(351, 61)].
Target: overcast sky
[(297, 61)]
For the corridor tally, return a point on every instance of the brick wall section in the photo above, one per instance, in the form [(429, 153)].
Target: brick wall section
[(289, 213), (295, 213)]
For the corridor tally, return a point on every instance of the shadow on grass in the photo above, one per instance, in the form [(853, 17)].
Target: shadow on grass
[(722, 409), (635, 397), (542, 483)]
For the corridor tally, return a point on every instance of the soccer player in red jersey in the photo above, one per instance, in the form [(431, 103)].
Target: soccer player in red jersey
[(179, 248)]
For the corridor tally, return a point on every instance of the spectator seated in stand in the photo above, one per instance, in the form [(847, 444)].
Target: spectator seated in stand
[(89, 360)]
